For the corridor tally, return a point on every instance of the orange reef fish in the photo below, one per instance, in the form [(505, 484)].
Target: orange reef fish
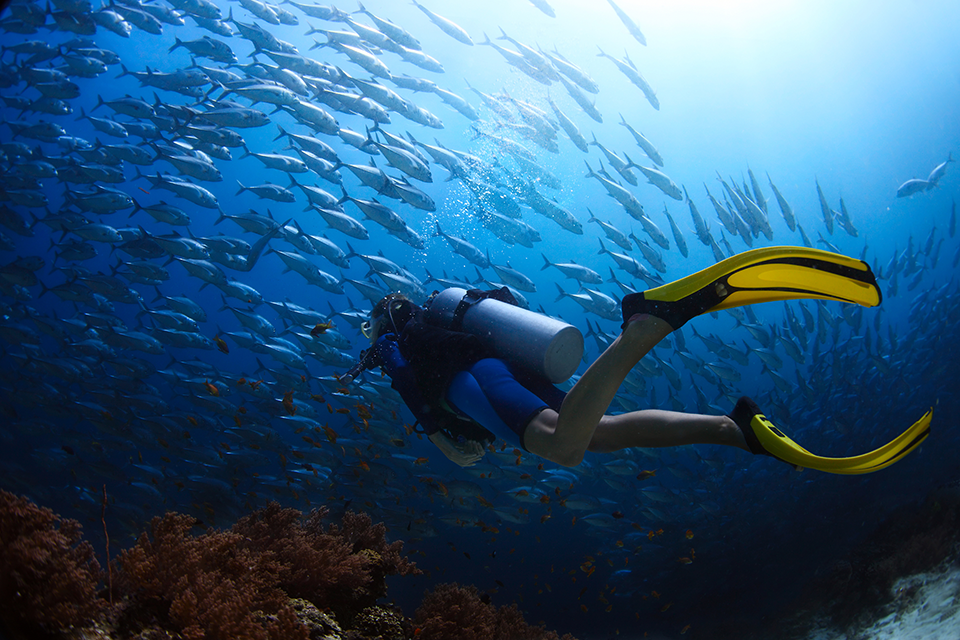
[(331, 434), (320, 328), (288, 405)]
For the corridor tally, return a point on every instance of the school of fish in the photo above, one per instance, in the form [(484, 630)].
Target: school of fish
[(155, 340)]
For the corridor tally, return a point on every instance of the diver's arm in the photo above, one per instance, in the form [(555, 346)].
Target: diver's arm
[(465, 454), (402, 379)]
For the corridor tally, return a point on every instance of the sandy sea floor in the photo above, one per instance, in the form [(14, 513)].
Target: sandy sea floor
[(926, 607)]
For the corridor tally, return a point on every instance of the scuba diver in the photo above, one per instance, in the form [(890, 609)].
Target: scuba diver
[(469, 365)]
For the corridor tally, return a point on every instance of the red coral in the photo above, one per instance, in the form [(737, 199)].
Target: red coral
[(48, 577), (320, 568), (359, 531), (452, 611), (208, 586), (340, 568), (227, 584)]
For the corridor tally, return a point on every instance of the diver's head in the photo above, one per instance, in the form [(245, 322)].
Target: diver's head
[(390, 315)]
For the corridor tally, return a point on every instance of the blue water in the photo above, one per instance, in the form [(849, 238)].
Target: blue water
[(858, 97)]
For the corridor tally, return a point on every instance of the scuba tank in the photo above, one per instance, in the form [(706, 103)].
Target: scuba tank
[(532, 341)]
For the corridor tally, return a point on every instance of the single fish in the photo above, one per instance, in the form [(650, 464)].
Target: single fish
[(449, 27), (629, 24), (911, 187)]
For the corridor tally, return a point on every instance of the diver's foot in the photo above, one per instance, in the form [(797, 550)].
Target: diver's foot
[(634, 307), (675, 313), (733, 434), (742, 414)]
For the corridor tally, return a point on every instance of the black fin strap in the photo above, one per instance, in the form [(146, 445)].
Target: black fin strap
[(742, 414), (674, 313)]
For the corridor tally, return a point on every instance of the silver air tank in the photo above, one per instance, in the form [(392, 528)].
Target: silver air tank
[(530, 340)]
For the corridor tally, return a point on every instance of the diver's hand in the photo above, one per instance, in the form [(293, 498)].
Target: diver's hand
[(465, 454)]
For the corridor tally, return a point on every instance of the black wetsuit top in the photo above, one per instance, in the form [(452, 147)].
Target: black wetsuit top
[(437, 355), (431, 357)]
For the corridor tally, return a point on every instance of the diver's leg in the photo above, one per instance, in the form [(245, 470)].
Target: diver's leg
[(656, 428), (563, 438), (492, 396)]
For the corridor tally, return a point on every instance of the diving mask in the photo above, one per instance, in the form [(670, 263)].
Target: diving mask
[(382, 312), (371, 328)]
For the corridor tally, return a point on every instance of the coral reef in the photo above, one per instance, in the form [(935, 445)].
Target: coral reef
[(382, 623), (210, 586), (207, 586), (451, 611), (275, 574), (319, 625), (342, 568), (48, 576)]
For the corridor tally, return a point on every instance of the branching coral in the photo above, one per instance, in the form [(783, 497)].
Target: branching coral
[(369, 540), (208, 586), (211, 585), (48, 577), (341, 568), (319, 568), (241, 583), (452, 611)]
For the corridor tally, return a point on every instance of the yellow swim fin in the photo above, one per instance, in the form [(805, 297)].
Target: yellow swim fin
[(764, 437), (759, 275)]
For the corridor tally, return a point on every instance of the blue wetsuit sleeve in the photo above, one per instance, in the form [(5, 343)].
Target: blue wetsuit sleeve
[(403, 380)]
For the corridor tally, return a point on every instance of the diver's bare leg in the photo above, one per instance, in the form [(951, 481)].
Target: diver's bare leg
[(581, 424), (564, 437), (656, 428)]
